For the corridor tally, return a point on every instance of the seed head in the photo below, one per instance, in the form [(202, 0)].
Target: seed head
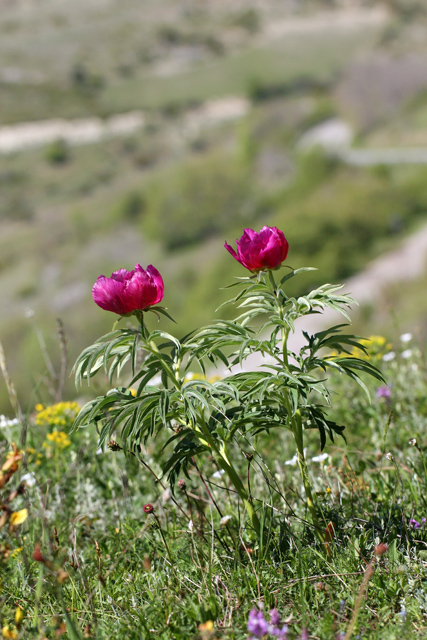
[(114, 446)]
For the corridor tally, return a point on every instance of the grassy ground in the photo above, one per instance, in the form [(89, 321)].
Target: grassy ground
[(103, 567)]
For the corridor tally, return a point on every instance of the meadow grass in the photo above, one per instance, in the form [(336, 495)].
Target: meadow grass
[(88, 562)]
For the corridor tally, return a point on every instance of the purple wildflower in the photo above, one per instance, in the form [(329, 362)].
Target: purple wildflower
[(257, 624), (414, 524), (275, 617), (384, 392)]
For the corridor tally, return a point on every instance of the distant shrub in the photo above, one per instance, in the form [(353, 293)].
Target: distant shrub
[(169, 34), (57, 152), (132, 206), (247, 19), (201, 198), (259, 90), (173, 36), (407, 10), (313, 168), (84, 79)]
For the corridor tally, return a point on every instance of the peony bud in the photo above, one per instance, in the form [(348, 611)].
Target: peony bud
[(258, 251)]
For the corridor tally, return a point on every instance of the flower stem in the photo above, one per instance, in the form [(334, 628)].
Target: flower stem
[(224, 463), (302, 463), (295, 421)]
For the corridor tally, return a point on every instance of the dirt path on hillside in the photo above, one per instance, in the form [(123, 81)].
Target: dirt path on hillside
[(30, 135), (344, 19)]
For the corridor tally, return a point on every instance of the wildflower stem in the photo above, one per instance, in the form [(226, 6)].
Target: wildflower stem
[(164, 541), (302, 463), (295, 419)]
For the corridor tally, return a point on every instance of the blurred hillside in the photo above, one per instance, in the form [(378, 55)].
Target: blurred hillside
[(215, 101)]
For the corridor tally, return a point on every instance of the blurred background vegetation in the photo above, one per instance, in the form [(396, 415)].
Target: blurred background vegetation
[(231, 104)]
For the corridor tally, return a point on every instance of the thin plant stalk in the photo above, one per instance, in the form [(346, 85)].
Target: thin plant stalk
[(295, 422)]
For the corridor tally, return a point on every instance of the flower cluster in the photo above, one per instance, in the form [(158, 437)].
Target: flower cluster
[(415, 524), (61, 414), (8, 422), (258, 626), (384, 392), (59, 439), (376, 346), (10, 466)]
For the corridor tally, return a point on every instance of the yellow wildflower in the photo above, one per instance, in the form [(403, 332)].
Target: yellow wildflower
[(61, 414), (18, 517), (59, 438), (7, 632), (16, 552), (19, 616)]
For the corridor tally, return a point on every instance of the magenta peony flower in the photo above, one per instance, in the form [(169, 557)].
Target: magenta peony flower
[(128, 291), (264, 250)]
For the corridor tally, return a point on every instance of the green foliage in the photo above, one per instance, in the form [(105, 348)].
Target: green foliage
[(131, 207), (111, 564), (201, 198), (248, 19), (57, 152), (203, 417)]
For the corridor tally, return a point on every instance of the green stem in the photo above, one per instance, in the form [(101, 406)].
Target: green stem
[(225, 464), (243, 494), (299, 440), (152, 347), (295, 422)]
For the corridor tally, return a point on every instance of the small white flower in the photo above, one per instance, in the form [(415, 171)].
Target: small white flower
[(190, 525), (218, 474), (407, 353), (389, 456), (406, 337), (224, 520), (29, 479), (320, 458), (29, 313), (8, 422), (388, 357), (292, 462), (414, 366), (99, 451)]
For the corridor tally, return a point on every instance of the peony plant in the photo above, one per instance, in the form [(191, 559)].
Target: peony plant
[(221, 418)]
